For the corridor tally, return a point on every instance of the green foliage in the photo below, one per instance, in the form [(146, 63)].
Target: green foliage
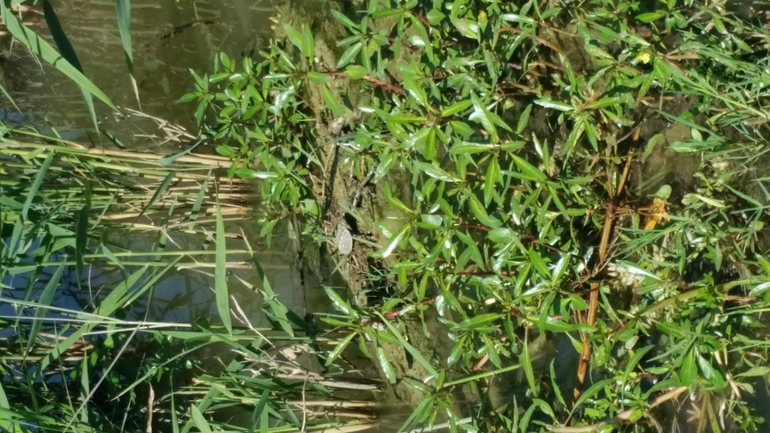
[(513, 122)]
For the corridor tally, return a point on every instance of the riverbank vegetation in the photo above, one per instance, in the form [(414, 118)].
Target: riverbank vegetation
[(528, 216), (558, 209)]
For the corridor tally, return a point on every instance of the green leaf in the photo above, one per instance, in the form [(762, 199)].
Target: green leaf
[(296, 39), (45, 300), (483, 116), (455, 108), (435, 16), (384, 13), (592, 390), (467, 28), (319, 77), (339, 348), (651, 16), (529, 371), (688, 372), (332, 102), (524, 119), (409, 348), (435, 172), (199, 420), (537, 261), (387, 162), (712, 375), (528, 171), (481, 214), (387, 369), (338, 302), (393, 241), (345, 21), (465, 147), (477, 321), (550, 103), (492, 176), (349, 54), (355, 72), (308, 43), (395, 202)]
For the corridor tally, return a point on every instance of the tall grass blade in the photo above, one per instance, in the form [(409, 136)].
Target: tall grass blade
[(5, 423), (196, 209), (32, 193), (220, 272), (45, 300), (200, 420), (81, 236), (40, 47), (111, 303), (124, 24), (8, 96), (68, 52), (157, 194), (259, 410)]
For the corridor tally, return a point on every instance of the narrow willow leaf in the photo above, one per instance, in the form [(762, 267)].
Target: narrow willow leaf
[(409, 348), (480, 212), (384, 13), (337, 300), (688, 372), (344, 20), (456, 108), (395, 202), (492, 176), (435, 172), (220, 272), (349, 55), (523, 119), (332, 102), (712, 375), (393, 242), (468, 147), (478, 321), (527, 170), (387, 369), (592, 391), (387, 162), (308, 43), (319, 77), (295, 37), (649, 17), (556, 105), (529, 371), (339, 348)]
